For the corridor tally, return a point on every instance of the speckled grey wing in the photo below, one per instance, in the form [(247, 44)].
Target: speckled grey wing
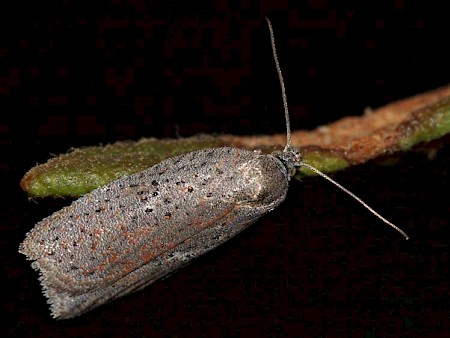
[(133, 231)]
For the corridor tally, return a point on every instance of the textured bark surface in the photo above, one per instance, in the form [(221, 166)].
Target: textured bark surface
[(352, 140)]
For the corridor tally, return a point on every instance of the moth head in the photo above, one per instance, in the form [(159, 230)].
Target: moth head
[(291, 157)]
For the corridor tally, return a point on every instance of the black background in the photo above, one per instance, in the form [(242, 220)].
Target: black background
[(73, 74)]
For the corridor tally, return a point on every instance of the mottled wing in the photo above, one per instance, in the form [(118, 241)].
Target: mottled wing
[(139, 228)]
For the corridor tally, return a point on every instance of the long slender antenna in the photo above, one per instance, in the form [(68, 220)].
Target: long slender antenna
[(318, 172), (283, 90), (288, 147)]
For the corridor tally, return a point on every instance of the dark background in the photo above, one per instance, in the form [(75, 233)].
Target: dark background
[(73, 74)]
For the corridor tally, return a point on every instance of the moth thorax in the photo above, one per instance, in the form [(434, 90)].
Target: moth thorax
[(264, 182)]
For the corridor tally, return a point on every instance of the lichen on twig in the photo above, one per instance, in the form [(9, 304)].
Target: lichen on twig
[(349, 141)]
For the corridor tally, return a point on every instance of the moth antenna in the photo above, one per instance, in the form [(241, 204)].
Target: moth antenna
[(364, 204), (283, 89), (288, 140)]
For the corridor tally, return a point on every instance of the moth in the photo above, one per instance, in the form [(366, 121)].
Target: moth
[(127, 234)]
